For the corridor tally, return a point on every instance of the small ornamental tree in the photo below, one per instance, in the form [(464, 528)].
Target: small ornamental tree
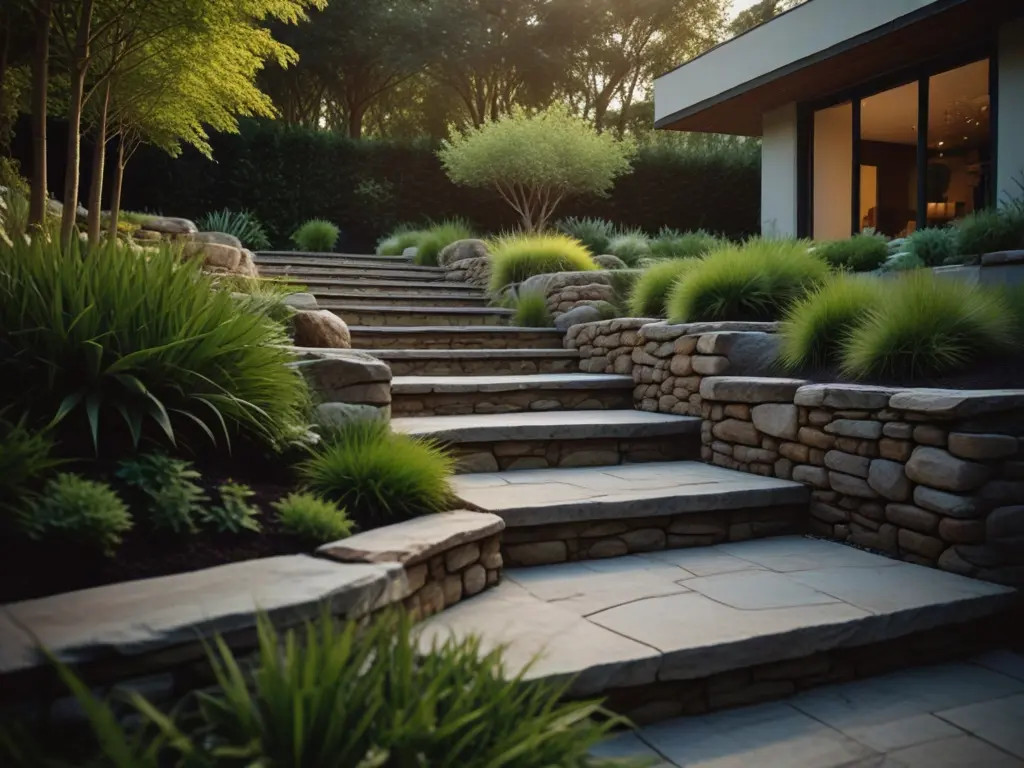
[(535, 161)]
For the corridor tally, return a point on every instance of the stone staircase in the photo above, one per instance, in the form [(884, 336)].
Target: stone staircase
[(668, 585)]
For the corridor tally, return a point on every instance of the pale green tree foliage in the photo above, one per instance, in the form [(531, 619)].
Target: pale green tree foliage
[(534, 161)]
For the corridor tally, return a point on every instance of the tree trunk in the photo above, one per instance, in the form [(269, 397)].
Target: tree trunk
[(78, 72), (99, 156), (355, 121), (115, 188), (40, 76)]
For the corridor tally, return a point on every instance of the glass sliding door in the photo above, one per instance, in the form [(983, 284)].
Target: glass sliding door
[(833, 172), (888, 161)]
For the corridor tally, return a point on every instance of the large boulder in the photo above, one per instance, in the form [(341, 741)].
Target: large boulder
[(170, 225), (610, 261), (247, 265), (320, 328), (461, 250), (300, 300), (585, 313), (219, 238), (219, 257), (346, 376)]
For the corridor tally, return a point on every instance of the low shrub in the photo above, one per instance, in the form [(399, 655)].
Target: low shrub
[(651, 290), (78, 511), (817, 326), (377, 476), (517, 257), (401, 237), (928, 326), (234, 514), (532, 310), (316, 235), (673, 244), (242, 224), (933, 246), (756, 281), (596, 234), (439, 236), (25, 460), (312, 519), (860, 253), (990, 230), (352, 694), (144, 348), (630, 246), (172, 501), (902, 262)]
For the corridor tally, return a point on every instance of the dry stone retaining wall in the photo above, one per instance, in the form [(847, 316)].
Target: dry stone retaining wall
[(565, 291)]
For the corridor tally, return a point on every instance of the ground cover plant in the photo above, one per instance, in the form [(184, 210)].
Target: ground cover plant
[(242, 224), (673, 244), (631, 246), (401, 237), (517, 257), (755, 281), (860, 253), (594, 233), (991, 230), (324, 695), (316, 235), (652, 288), (933, 246), (437, 237)]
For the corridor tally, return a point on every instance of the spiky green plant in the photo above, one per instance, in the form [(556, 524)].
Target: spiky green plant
[(312, 519), (517, 257), (596, 234), (630, 246), (242, 224), (379, 477), (673, 244), (817, 326), (25, 461), (171, 499), (118, 347), (928, 326), (934, 246), (755, 281), (532, 310), (317, 236), (439, 236), (860, 253), (651, 290)]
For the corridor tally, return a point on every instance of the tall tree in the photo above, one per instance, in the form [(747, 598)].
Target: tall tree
[(759, 13)]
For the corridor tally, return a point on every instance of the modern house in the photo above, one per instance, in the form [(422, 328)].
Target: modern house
[(891, 114)]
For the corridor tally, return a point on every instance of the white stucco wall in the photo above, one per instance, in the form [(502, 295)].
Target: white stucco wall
[(807, 30), (1010, 116), (779, 172)]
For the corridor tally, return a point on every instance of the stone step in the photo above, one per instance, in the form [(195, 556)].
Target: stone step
[(685, 631), (470, 362), (536, 440), (451, 395), (371, 286), (327, 259), (385, 316), (355, 272), (481, 337), (330, 299)]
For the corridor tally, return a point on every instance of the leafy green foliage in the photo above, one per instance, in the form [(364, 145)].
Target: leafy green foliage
[(534, 161), (325, 695), (234, 514), (756, 281), (401, 237), (24, 461), (532, 310), (517, 257), (596, 234), (242, 224), (817, 326), (312, 519), (860, 253), (990, 230), (439, 236), (141, 348), (902, 262), (316, 235), (630, 246), (651, 290), (377, 476), (172, 500), (673, 244), (84, 512), (928, 326), (933, 246)]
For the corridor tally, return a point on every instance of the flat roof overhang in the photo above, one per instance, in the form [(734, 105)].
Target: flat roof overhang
[(913, 31)]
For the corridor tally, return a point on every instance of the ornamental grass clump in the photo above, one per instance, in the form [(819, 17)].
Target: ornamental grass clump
[(651, 290), (756, 281), (860, 253), (673, 244), (593, 232), (928, 326), (990, 230), (114, 349), (437, 237), (532, 310), (817, 326), (401, 237), (933, 246), (317, 236), (378, 476), (517, 257), (311, 519), (630, 246)]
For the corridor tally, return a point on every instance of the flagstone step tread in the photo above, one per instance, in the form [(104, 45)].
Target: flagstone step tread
[(288, 257), (500, 330), (328, 299), (547, 425), (418, 385), (352, 269), (691, 613), (666, 488), (470, 354), (395, 310), (377, 283)]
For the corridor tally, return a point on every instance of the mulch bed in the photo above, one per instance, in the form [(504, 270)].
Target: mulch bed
[(1002, 373)]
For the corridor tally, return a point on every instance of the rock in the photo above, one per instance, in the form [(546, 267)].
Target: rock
[(951, 561), (218, 238), (339, 414), (850, 485), (939, 469), (863, 430), (920, 544), (538, 553), (576, 316), (247, 265), (146, 236), (215, 255), (848, 463), (929, 434), (169, 225), (745, 389), (898, 430), (961, 531), (320, 328), (459, 557), (816, 476), (971, 446), (608, 261), (844, 396), (815, 438), (915, 518), (474, 579), (300, 301), (776, 419), (1005, 522), (410, 253), (338, 375), (889, 479), (461, 250), (735, 431), (957, 403), (950, 504), (710, 365)]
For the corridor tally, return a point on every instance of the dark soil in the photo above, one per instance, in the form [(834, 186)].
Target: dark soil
[(1006, 372)]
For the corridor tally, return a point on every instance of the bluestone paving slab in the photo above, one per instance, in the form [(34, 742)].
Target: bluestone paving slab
[(415, 385), (1004, 662), (787, 553), (536, 497), (629, 745), (756, 590), (704, 561), (999, 722), (955, 752)]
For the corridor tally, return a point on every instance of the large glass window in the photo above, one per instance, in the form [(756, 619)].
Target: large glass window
[(888, 161)]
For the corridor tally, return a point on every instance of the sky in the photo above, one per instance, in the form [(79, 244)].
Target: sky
[(740, 5)]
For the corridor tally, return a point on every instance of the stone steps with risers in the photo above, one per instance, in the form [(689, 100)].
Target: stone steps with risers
[(537, 440), (473, 362), (686, 631), (373, 286), (455, 337), (356, 272), (451, 395), (327, 259), (385, 316), (330, 299)]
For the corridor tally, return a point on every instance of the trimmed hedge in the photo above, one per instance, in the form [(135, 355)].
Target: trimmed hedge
[(285, 175)]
